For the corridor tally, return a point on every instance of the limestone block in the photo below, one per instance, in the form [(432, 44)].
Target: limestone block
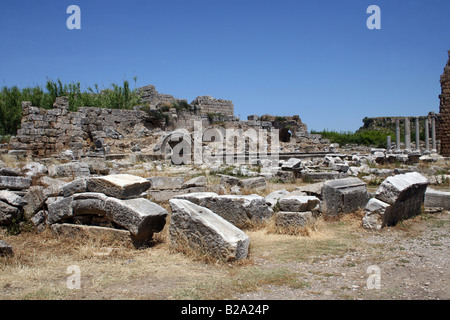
[(12, 198), (122, 186), (8, 213), (273, 197), (14, 183), (344, 196), (202, 230), (253, 183), (295, 203), (165, 183), (437, 198)]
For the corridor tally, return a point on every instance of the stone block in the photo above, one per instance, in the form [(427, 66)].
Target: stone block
[(344, 196), (122, 186), (8, 213), (165, 183), (14, 183), (253, 183), (295, 203), (200, 229), (437, 199)]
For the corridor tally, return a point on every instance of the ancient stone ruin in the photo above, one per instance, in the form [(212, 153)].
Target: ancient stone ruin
[(108, 171)]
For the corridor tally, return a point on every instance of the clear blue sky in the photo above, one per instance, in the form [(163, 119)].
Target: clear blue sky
[(315, 58)]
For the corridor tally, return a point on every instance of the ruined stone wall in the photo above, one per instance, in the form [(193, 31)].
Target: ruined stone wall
[(208, 104), (150, 95), (45, 132), (443, 127)]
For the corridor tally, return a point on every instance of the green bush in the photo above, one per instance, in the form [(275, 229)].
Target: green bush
[(367, 138)]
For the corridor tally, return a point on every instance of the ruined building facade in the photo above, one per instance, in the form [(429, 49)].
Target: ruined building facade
[(444, 111)]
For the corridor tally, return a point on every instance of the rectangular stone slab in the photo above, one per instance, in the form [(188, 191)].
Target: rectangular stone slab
[(122, 186)]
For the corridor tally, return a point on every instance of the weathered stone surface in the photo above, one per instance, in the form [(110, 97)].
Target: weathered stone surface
[(14, 183), (11, 198), (59, 209), (228, 180), (253, 183), (76, 186), (344, 196), (240, 210), (202, 230), (291, 220), (6, 250), (122, 186), (72, 169), (399, 197), (294, 203), (35, 199), (195, 182), (273, 197), (66, 229), (197, 197), (8, 213), (291, 164), (165, 183), (10, 172), (437, 198), (375, 213), (314, 189), (402, 186), (139, 216), (320, 175), (285, 176)]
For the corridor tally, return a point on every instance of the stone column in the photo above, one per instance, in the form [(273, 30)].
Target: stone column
[(397, 134), (407, 134), (417, 134), (427, 136), (388, 143), (433, 132)]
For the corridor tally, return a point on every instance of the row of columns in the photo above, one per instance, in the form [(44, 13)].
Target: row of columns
[(431, 118)]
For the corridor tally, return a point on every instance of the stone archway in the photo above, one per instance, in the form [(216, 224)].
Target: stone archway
[(285, 135)]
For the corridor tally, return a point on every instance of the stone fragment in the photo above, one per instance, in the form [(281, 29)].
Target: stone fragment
[(375, 213), (165, 183), (437, 199), (399, 197), (12, 199), (200, 229), (76, 186), (285, 176), (293, 220), (8, 213), (228, 180), (14, 183), (241, 210), (71, 169), (291, 164), (294, 203), (273, 197), (195, 182), (66, 229), (140, 216), (122, 186), (253, 183), (344, 196), (6, 250), (35, 199), (401, 187)]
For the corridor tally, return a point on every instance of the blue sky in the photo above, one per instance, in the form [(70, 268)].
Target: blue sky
[(315, 58)]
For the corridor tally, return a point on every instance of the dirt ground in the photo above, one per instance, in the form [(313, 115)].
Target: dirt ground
[(331, 263)]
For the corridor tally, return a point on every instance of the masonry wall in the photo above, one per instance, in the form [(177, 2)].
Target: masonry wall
[(45, 132), (443, 127), (207, 104)]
